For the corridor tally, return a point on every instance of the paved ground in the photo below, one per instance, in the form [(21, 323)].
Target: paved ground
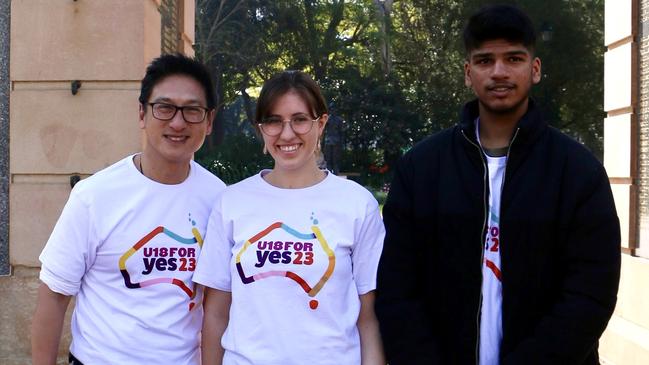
[(18, 301)]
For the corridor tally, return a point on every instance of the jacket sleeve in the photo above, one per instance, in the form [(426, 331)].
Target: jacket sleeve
[(400, 307), (591, 266)]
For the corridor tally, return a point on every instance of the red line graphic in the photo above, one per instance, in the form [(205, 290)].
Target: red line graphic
[(494, 268)]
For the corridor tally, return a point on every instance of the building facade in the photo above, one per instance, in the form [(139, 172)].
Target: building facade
[(69, 90), (626, 158), (69, 81)]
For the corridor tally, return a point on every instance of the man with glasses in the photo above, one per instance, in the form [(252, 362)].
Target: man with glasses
[(127, 242)]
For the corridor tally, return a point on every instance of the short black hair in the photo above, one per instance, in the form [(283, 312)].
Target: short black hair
[(176, 64), (499, 22)]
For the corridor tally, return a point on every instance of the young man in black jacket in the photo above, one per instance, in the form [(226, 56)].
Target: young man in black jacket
[(502, 242)]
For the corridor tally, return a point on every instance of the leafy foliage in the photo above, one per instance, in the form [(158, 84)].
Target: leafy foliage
[(392, 70)]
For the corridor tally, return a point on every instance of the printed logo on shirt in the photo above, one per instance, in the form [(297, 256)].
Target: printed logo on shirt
[(164, 256), (280, 251), (492, 247)]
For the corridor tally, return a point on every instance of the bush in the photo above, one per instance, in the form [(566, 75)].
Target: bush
[(238, 157)]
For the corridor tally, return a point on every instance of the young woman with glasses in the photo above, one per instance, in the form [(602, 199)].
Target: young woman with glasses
[(290, 255)]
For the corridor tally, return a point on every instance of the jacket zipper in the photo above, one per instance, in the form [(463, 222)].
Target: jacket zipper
[(482, 235), (484, 224), (502, 188)]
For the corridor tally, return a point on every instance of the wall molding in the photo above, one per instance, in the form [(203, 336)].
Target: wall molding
[(5, 85)]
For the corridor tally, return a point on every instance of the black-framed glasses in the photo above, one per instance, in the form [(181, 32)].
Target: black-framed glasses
[(300, 124), (190, 113)]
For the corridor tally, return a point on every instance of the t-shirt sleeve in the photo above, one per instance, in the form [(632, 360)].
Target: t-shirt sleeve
[(213, 268), (366, 250), (70, 250)]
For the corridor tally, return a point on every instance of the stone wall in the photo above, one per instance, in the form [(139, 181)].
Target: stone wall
[(45, 45), (643, 132), (4, 135), (18, 304), (626, 339)]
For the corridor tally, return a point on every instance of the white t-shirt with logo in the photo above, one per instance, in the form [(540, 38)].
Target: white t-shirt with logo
[(491, 316), (491, 333), (127, 247), (296, 261)]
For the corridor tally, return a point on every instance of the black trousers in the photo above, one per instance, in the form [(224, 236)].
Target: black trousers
[(73, 360)]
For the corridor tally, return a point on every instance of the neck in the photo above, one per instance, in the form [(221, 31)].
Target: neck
[(162, 172), (496, 129), (287, 179)]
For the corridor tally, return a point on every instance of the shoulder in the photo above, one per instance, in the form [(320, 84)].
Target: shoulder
[(206, 176), (102, 179), (576, 155), (433, 148), (346, 190), (243, 190), (570, 162), (435, 143), (252, 182)]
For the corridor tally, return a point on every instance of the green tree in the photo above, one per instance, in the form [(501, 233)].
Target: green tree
[(429, 57), (393, 70)]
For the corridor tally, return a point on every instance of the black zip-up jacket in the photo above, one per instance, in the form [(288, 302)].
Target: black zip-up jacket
[(559, 247)]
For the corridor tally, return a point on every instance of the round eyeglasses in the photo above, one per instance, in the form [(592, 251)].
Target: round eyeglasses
[(190, 113), (300, 124)]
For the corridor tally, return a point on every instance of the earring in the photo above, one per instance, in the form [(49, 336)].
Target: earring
[(317, 147), (265, 150)]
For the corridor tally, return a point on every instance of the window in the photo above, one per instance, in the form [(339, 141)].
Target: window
[(172, 25)]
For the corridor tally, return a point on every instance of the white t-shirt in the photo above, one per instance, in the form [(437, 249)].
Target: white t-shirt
[(491, 333), (296, 261), (491, 316), (127, 246)]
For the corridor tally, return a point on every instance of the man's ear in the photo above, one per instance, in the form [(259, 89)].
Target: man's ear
[(210, 120), (536, 70), (142, 114), (467, 74)]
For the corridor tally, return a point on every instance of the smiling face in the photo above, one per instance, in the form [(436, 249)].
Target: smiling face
[(174, 141), (501, 74), (294, 153)]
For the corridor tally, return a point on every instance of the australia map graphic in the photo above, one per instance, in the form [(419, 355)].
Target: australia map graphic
[(165, 258), (295, 252)]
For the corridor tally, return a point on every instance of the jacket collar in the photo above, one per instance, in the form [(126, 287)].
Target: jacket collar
[(530, 126)]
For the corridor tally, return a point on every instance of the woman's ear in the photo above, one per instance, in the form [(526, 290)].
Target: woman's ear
[(322, 122)]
